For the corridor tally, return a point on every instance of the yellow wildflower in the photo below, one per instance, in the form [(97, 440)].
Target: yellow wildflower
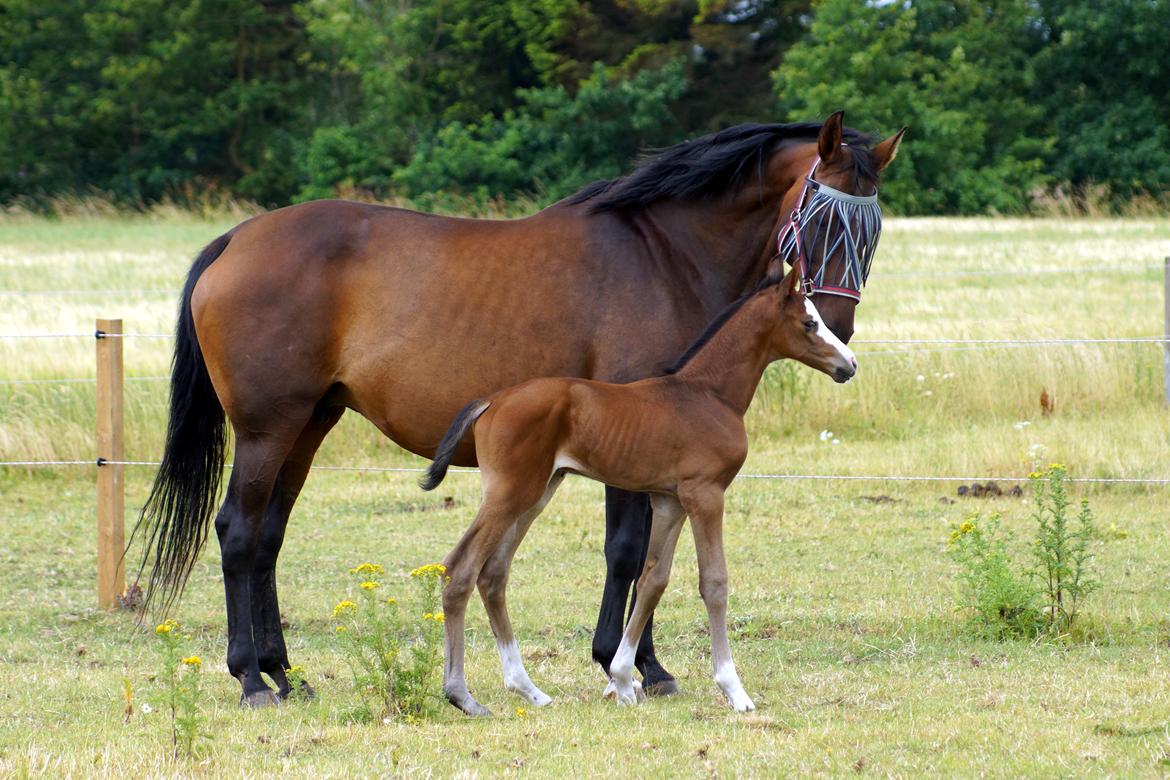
[(193, 661), (345, 607), (340, 629), (297, 670), (521, 712), (368, 568), (166, 627), (437, 569), (391, 600), (368, 585), (438, 617), (967, 527)]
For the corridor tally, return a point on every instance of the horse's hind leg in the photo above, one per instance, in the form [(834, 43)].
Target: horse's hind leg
[(493, 584), (499, 512), (628, 519), (238, 526), (267, 632)]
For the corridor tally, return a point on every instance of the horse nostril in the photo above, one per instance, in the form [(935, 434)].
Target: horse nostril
[(853, 361)]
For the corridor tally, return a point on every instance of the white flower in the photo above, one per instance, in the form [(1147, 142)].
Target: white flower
[(1022, 424), (836, 441), (826, 435), (920, 378), (145, 708)]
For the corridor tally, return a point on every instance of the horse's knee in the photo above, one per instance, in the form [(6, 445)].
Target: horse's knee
[(623, 556)]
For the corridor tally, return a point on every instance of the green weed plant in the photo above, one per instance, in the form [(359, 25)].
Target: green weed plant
[(1007, 599), (181, 692), (393, 649)]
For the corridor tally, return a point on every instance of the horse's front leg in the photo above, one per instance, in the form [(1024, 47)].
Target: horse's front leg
[(628, 519), (704, 505)]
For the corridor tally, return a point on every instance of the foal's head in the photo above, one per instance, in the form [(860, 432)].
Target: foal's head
[(800, 333)]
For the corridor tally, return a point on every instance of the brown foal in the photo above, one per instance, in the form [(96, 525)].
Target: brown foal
[(679, 437)]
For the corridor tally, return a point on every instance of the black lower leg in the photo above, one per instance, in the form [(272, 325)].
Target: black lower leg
[(267, 631)]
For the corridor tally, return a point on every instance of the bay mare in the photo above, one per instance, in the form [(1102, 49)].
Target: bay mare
[(294, 316), (679, 438)]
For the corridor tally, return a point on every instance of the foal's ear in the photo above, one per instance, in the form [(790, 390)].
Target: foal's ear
[(887, 150), (829, 140), (792, 282)]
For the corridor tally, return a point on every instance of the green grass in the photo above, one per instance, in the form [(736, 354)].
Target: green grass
[(842, 594)]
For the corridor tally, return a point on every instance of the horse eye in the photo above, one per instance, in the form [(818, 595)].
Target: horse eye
[(810, 325)]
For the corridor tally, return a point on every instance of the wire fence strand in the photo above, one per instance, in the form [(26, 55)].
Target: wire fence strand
[(753, 476)]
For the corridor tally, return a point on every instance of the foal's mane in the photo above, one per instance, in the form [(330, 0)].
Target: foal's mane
[(709, 165), (715, 325)]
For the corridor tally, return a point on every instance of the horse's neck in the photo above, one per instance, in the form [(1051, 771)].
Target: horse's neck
[(732, 362), (719, 249)]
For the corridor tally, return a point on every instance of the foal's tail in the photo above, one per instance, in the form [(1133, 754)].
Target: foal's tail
[(175, 517), (446, 451)]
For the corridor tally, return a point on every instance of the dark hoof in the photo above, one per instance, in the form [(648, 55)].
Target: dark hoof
[(306, 693), (265, 698), (666, 687)]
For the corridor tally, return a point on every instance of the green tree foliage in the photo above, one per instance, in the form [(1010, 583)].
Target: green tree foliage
[(554, 142), (282, 100), (958, 73), (1106, 79), (142, 96)]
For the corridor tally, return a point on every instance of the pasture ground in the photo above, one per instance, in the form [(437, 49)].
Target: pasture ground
[(842, 606)]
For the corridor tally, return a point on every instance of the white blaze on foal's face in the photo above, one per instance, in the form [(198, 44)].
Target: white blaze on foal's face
[(829, 354)]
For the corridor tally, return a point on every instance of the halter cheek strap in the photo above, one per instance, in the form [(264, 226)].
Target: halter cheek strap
[(792, 226)]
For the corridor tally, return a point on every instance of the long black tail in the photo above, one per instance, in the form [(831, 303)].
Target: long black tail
[(446, 451), (175, 516)]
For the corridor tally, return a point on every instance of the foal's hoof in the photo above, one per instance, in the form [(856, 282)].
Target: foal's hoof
[(662, 688), (634, 696), (473, 709), (265, 698)]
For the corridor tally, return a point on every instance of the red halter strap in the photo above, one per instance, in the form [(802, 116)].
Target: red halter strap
[(806, 283)]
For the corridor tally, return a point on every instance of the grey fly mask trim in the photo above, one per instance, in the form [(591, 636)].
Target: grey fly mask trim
[(832, 222)]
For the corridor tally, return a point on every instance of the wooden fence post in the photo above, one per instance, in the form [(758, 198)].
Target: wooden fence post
[(1166, 330), (111, 534)]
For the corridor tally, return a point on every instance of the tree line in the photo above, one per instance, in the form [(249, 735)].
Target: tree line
[(448, 100)]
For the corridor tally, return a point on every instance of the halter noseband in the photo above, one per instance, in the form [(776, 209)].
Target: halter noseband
[(860, 220)]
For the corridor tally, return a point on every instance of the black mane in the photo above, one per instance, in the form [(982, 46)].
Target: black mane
[(710, 165)]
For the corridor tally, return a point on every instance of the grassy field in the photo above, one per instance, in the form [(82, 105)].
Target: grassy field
[(844, 625)]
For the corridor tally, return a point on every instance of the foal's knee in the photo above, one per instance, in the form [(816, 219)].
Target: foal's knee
[(492, 584), (713, 588), (456, 592)]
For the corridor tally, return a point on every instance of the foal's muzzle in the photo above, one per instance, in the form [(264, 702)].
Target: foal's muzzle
[(843, 373)]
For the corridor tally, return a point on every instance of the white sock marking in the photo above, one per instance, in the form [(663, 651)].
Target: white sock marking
[(516, 677)]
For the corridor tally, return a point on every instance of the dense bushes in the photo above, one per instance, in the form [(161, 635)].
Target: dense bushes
[(281, 100)]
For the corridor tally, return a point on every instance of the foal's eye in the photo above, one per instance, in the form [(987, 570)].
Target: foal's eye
[(810, 325)]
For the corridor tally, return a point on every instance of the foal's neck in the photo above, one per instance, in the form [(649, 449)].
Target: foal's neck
[(731, 363)]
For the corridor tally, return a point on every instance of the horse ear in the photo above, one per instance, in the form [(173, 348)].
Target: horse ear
[(887, 150), (829, 140), (775, 270)]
